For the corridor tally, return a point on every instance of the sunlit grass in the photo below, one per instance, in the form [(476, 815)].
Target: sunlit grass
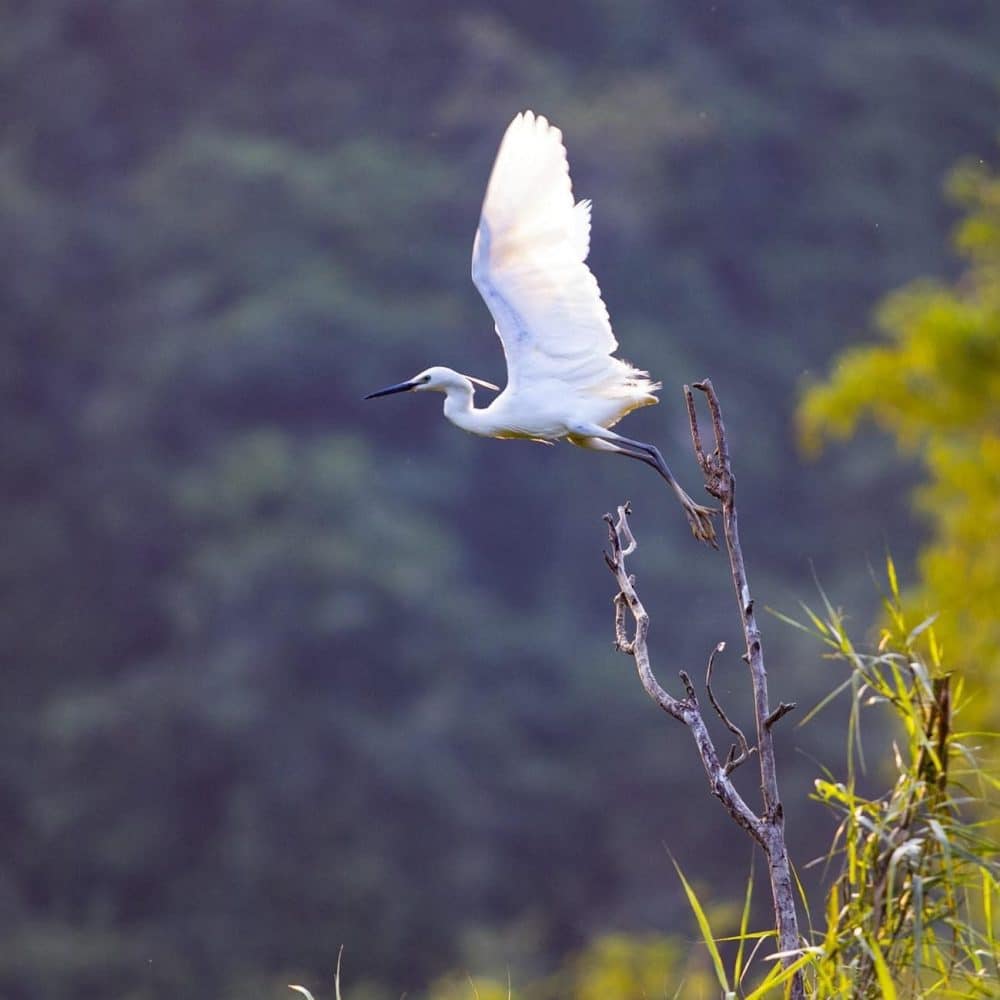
[(912, 912)]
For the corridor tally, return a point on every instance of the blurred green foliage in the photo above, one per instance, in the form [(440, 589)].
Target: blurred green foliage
[(935, 386), (284, 671), (613, 965)]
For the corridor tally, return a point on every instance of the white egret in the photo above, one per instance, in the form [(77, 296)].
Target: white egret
[(528, 262)]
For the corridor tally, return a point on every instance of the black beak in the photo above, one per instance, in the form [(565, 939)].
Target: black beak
[(402, 387)]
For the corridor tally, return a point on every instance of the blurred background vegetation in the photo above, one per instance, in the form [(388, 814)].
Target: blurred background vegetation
[(285, 671)]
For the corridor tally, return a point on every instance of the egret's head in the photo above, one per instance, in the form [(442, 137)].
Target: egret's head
[(435, 379)]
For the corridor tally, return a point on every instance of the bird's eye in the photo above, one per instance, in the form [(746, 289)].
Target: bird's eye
[(425, 380)]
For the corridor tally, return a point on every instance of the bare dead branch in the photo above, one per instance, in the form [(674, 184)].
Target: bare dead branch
[(685, 710), (699, 451), (768, 828), (622, 642), (688, 686), (721, 483), (623, 543)]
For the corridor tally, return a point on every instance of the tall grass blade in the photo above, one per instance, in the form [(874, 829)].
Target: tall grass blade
[(744, 924), (705, 928), (885, 983)]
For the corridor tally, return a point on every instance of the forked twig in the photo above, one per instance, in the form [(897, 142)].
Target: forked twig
[(685, 710)]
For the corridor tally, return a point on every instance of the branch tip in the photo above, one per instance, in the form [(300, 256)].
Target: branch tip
[(689, 687), (782, 710)]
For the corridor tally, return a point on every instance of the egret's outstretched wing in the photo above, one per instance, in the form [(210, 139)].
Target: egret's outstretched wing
[(528, 264)]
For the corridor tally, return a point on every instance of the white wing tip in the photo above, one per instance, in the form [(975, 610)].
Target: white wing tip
[(530, 119)]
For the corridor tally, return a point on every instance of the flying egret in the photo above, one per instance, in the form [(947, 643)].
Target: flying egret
[(528, 262)]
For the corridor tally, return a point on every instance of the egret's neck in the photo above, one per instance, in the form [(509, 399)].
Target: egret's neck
[(459, 410)]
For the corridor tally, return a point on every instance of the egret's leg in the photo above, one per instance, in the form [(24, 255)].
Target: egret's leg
[(699, 517), (621, 449)]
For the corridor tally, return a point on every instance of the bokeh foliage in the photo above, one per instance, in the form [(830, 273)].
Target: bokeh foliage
[(614, 965), (933, 383)]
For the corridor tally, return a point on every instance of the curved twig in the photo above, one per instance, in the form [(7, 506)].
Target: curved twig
[(740, 751)]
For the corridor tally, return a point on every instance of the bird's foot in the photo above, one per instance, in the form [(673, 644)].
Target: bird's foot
[(700, 520)]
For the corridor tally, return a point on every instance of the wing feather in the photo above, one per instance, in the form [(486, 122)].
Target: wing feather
[(528, 262)]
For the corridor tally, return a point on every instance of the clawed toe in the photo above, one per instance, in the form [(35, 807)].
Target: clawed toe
[(702, 527)]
